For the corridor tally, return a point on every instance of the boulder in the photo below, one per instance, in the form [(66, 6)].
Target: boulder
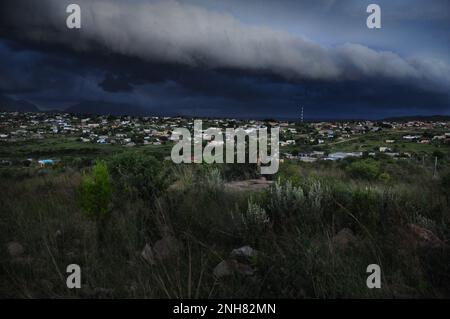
[(244, 252), (242, 269), (223, 269), (232, 266), (166, 247)]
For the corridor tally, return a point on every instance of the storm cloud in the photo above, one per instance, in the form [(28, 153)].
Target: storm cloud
[(229, 58), (175, 32)]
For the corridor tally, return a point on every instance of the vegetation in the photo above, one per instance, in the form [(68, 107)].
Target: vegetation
[(316, 229), (95, 192)]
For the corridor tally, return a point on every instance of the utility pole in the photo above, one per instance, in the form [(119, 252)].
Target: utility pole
[(301, 118)]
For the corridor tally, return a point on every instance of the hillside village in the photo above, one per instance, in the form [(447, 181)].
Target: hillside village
[(307, 142)]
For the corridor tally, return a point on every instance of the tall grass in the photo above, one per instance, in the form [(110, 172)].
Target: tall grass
[(292, 225)]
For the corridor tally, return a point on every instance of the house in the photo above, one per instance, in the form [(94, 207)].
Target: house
[(411, 137), (308, 159), (46, 162), (318, 154), (341, 155)]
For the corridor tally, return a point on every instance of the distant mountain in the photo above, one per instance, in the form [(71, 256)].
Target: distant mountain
[(106, 108), (10, 105), (434, 118)]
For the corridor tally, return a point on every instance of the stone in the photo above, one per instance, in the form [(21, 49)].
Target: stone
[(163, 249), (231, 266), (245, 252), (243, 269), (223, 269), (166, 247), (15, 249)]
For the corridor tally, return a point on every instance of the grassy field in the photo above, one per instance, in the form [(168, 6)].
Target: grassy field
[(372, 141), (67, 147), (169, 231)]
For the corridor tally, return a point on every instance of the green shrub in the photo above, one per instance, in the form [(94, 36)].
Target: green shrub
[(365, 207), (285, 204), (290, 172), (368, 169), (384, 177), (138, 175), (95, 192), (255, 221)]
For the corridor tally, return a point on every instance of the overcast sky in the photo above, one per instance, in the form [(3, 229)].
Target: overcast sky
[(231, 58)]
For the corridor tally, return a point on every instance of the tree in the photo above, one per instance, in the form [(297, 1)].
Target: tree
[(365, 169), (138, 175), (95, 192), (95, 199)]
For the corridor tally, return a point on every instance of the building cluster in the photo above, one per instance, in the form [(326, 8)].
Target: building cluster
[(134, 131)]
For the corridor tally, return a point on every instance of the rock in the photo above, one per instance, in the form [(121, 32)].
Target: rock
[(344, 238), (166, 247), (424, 238), (243, 269), (245, 252), (223, 269), (231, 266), (163, 249), (15, 249), (147, 254)]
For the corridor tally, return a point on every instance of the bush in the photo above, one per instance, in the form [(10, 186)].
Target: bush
[(368, 169), (285, 204), (255, 221), (212, 180), (138, 175), (95, 192)]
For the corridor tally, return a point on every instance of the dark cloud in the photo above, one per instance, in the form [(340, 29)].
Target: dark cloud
[(112, 83), (175, 32), (181, 58)]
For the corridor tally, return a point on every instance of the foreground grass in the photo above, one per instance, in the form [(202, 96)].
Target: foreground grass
[(294, 226)]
